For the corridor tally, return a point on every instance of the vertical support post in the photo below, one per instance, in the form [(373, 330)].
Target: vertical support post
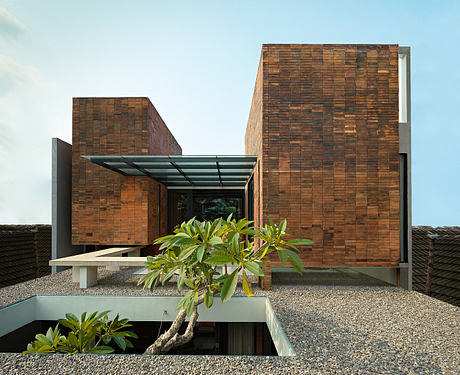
[(75, 274), (429, 271), (266, 282), (135, 253), (88, 277)]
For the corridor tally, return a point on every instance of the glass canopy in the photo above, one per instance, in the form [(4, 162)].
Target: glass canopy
[(180, 170)]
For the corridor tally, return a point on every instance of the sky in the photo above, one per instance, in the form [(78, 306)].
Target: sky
[(197, 62)]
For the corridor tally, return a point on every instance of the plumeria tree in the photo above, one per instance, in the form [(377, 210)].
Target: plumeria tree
[(197, 251)]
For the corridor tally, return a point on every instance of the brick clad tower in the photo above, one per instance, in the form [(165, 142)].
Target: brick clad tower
[(324, 123), (109, 208)]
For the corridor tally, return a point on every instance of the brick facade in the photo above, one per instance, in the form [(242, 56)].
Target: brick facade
[(108, 208), (324, 123)]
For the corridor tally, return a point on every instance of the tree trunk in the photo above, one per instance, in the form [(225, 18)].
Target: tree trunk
[(171, 338)]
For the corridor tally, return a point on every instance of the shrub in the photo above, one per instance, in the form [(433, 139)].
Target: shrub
[(85, 336), (197, 249)]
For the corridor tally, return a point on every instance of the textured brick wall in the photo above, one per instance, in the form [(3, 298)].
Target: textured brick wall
[(108, 208), (330, 149), (253, 142)]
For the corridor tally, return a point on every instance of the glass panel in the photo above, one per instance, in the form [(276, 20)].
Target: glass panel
[(115, 164), (403, 208), (188, 165), (245, 164), (402, 67), (231, 170), (132, 172), (153, 165), (177, 209), (163, 171), (204, 205), (200, 177), (185, 170), (209, 207), (250, 201)]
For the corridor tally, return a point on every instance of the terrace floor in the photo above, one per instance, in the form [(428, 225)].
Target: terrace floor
[(349, 329)]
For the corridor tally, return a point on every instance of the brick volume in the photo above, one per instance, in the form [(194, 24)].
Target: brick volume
[(324, 123), (108, 208)]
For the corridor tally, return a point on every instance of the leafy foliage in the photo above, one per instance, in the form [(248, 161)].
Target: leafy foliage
[(197, 249), (86, 334)]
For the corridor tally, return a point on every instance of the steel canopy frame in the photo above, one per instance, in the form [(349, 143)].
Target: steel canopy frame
[(182, 170)]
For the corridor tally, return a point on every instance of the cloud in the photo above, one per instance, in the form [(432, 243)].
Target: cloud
[(13, 74), (10, 26), (7, 138)]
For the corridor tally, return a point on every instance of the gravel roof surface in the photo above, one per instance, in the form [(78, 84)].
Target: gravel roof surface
[(334, 330)]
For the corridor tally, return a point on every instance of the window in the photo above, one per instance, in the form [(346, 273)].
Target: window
[(403, 208), (402, 68)]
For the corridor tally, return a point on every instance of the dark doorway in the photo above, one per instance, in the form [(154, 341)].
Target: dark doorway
[(204, 205)]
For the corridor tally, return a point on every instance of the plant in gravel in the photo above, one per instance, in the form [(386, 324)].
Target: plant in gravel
[(195, 252), (86, 335)]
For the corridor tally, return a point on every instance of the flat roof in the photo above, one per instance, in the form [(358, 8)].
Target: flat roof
[(182, 170)]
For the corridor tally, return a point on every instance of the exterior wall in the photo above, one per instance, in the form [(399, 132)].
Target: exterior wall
[(253, 143), (330, 149), (108, 208), (61, 213), (405, 148)]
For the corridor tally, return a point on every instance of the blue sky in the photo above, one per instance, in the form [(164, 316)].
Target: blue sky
[(197, 62)]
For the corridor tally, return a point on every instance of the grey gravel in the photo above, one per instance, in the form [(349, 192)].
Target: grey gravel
[(334, 330)]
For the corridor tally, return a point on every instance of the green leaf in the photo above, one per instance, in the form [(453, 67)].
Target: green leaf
[(120, 342), (189, 283), (295, 260), (300, 241), (282, 255), (184, 300), (254, 268), (228, 289), (282, 226), (208, 299), (181, 278), (163, 239), (265, 249), (235, 244), (71, 317), (218, 260), (101, 349), (42, 339), (190, 306), (200, 253), (221, 251), (129, 344), (169, 275), (215, 240), (185, 242), (187, 252), (246, 287), (72, 339)]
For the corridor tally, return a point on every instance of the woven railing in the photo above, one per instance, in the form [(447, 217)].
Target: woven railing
[(25, 251), (436, 262)]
